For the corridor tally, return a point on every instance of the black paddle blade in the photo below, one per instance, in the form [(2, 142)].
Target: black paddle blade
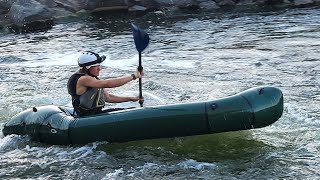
[(141, 38)]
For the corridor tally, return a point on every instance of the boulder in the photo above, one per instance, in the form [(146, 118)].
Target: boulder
[(48, 3), (303, 2), (23, 11), (246, 2), (177, 3), (208, 5), (69, 5), (269, 2), (149, 4), (26, 13), (104, 5), (225, 2), (4, 10), (186, 4), (6, 3), (32, 26), (137, 8), (167, 3), (5, 6)]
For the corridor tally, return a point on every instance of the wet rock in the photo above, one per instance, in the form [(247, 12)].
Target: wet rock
[(225, 2), (69, 5), (186, 4), (208, 5), (182, 4), (33, 26), (22, 15), (148, 4), (246, 2), (167, 3), (137, 8), (6, 3), (4, 10), (48, 3), (258, 64), (269, 2), (23, 11), (104, 5), (303, 2)]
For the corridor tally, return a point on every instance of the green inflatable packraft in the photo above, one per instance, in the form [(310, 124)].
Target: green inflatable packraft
[(253, 108)]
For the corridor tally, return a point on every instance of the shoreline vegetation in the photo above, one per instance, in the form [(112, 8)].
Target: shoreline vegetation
[(38, 15)]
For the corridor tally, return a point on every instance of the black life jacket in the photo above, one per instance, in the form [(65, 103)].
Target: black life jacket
[(91, 102)]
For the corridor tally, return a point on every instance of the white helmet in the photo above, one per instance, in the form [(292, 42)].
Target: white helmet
[(88, 58)]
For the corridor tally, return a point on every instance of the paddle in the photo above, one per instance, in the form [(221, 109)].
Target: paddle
[(141, 40)]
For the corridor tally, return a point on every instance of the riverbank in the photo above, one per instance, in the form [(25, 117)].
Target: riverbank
[(35, 15)]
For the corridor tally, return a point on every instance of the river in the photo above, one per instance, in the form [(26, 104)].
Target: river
[(191, 57)]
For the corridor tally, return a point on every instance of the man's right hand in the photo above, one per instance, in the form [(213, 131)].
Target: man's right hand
[(138, 74), (137, 98)]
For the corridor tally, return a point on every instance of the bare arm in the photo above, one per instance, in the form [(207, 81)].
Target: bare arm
[(118, 99), (89, 81)]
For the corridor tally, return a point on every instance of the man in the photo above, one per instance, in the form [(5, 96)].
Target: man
[(87, 90)]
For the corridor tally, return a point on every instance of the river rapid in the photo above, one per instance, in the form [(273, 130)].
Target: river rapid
[(191, 57)]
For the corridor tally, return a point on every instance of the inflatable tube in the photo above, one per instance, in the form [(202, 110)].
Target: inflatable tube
[(253, 108)]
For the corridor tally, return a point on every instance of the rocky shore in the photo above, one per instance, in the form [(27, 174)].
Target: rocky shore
[(30, 15)]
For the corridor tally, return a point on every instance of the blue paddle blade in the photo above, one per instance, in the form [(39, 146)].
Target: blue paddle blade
[(141, 38)]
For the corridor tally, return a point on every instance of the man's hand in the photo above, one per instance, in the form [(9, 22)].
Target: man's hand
[(137, 98), (138, 74)]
